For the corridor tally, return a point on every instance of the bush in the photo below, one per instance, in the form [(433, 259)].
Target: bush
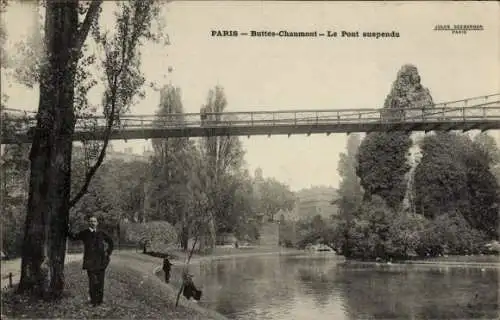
[(369, 234), (156, 232), (12, 230), (451, 233), (405, 234)]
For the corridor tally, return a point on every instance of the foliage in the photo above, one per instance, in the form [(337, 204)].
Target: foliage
[(455, 174), (223, 158), (116, 193), (483, 188), (241, 209), (14, 170), (3, 33), (313, 231), (12, 220), (224, 154), (382, 158), (153, 231), (178, 172), (274, 196), (405, 234), (370, 231), (287, 233), (441, 180), (383, 165), (456, 191), (170, 165), (123, 78), (63, 67), (350, 192), (489, 148), (450, 233)]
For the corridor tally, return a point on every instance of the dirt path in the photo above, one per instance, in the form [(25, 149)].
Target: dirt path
[(14, 267)]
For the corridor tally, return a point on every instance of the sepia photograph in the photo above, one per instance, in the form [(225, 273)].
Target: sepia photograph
[(250, 160)]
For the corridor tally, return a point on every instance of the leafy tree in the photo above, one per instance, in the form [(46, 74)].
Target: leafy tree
[(483, 189), (274, 196), (102, 197), (64, 81), (488, 146), (169, 162), (441, 180), (382, 157), (454, 175), (350, 193), (241, 207), (223, 157), (370, 231)]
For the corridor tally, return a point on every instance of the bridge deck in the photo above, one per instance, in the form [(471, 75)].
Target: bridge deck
[(481, 113)]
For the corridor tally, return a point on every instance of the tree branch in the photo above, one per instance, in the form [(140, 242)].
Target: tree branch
[(107, 135), (87, 23), (100, 159), (115, 77)]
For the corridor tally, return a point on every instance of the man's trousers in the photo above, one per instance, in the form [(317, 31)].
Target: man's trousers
[(96, 285)]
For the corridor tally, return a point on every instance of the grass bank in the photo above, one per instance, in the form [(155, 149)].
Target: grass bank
[(220, 253), (131, 291)]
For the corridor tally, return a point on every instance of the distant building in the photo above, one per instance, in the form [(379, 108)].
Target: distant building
[(288, 215), (316, 201), (126, 155)]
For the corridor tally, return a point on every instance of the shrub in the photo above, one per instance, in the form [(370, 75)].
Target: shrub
[(156, 232)]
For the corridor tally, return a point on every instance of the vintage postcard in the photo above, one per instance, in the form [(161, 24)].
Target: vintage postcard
[(250, 159)]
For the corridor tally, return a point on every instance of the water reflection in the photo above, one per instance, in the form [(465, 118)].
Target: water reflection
[(293, 287)]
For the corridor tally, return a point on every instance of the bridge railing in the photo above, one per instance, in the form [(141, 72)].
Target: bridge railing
[(317, 117), (294, 118), (485, 107)]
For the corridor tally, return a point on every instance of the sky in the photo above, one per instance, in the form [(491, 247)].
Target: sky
[(305, 73)]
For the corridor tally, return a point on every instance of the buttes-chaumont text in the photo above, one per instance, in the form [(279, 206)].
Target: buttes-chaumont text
[(306, 34)]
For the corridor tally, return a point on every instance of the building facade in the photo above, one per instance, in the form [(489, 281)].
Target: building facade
[(316, 201)]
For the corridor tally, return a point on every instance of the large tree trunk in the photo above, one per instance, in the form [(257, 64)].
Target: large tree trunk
[(49, 190)]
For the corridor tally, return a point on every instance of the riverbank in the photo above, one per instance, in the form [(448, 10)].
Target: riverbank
[(479, 261), (483, 261), (221, 253), (131, 291), (471, 260)]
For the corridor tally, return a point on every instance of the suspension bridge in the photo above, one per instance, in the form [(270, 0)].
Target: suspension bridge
[(477, 113)]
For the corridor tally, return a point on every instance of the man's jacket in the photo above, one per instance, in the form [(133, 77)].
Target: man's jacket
[(95, 255)]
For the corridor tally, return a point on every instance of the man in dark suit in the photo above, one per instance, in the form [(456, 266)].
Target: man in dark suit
[(95, 257), (167, 266)]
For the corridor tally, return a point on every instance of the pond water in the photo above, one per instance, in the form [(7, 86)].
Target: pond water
[(311, 287)]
